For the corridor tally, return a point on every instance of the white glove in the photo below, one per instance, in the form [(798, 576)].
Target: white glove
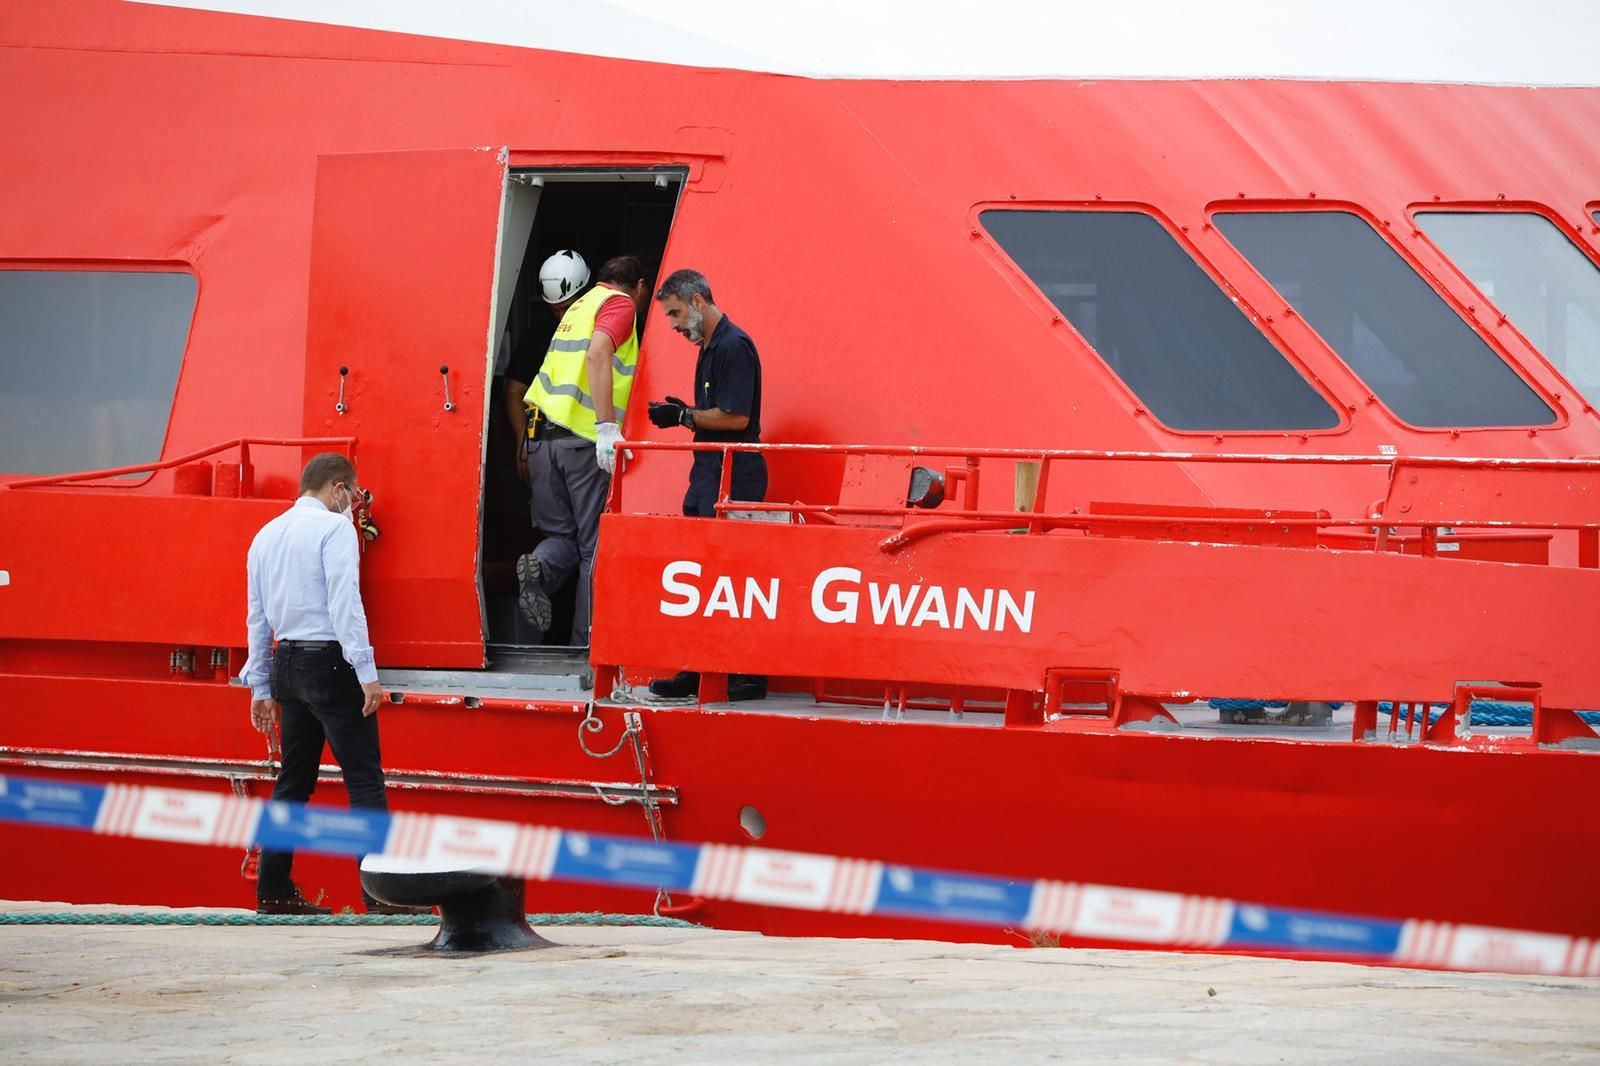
[(605, 445)]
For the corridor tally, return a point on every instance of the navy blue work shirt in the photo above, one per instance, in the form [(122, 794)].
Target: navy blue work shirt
[(727, 376)]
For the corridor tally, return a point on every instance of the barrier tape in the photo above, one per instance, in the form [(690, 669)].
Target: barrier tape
[(790, 879)]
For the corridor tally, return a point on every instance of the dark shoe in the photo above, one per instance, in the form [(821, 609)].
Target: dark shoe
[(532, 599), (680, 686), (374, 907), (295, 904), (746, 687)]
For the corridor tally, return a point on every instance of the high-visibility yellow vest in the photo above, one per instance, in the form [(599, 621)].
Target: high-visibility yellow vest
[(561, 388)]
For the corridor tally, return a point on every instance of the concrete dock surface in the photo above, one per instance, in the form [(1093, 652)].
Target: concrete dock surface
[(631, 995)]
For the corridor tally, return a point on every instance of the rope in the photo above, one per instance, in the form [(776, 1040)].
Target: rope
[(1484, 712), (183, 918), (1487, 712)]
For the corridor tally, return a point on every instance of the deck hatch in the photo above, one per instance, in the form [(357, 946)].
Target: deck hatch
[(1159, 321), (1417, 355)]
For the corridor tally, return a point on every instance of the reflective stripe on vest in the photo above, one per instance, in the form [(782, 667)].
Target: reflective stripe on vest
[(561, 388)]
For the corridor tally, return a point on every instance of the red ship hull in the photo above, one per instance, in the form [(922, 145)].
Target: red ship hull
[(342, 197), (1361, 829)]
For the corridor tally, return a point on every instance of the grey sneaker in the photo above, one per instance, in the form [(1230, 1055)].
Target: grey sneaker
[(532, 599)]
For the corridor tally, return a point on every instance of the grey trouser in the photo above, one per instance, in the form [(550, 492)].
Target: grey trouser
[(569, 494)]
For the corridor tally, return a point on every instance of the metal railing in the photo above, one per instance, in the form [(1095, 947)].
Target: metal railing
[(968, 516), (244, 444)]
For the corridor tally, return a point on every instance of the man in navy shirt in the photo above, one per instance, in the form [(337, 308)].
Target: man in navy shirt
[(727, 407), (727, 393)]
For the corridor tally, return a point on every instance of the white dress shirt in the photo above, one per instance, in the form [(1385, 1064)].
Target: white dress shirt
[(305, 584)]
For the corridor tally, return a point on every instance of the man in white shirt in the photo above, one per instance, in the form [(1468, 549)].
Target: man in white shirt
[(321, 679)]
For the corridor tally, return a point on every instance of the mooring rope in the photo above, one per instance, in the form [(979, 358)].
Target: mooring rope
[(185, 918), (1484, 712)]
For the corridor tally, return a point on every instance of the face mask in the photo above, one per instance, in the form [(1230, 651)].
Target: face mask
[(349, 508)]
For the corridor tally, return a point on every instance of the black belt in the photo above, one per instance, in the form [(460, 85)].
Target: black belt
[(308, 645)]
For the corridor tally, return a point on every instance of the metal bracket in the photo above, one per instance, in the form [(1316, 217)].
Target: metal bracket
[(444, 374), (341, 407)]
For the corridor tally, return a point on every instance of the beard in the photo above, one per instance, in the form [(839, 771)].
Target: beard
[(694, 326)]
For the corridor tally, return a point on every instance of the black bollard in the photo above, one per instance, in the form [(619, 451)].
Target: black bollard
[(478, 912)]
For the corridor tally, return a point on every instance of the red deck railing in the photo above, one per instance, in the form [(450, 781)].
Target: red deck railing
[(244, 444), (1132, 652), (1424, 493)]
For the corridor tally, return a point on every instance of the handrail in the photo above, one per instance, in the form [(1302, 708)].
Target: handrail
[(1085, 520), (971, 518), (243, 443), (1112, 455)]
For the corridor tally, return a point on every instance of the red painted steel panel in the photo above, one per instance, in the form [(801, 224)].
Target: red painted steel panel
[(1447, 834), (402, 284), (1422, 494), (145, 716), (90, 565), (135, 717), (1169, 618)]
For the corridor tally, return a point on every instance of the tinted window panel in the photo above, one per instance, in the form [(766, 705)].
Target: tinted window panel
[(1183, 347), (1541, 281), (88, 365), (1395, 332)]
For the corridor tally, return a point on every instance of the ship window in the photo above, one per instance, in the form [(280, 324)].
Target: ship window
[(1160, 322), (88, 366), (1537, 278), (1415, 353)]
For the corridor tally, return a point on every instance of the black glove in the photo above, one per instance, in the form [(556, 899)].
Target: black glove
[(671, 412)]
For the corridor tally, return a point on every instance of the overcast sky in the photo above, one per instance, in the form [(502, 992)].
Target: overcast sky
[(1527, 42)]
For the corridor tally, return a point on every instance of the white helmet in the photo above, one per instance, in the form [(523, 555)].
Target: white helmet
[(563, 276)]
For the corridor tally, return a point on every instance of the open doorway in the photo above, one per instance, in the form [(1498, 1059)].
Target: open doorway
[(599, 214)]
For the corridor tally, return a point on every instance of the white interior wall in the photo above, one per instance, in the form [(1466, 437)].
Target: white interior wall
[(522, 203)]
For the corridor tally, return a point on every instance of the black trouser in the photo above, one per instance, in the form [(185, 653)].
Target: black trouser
[(749, 482), (320, 701)]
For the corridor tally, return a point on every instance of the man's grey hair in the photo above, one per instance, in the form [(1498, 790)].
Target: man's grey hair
[(686, 283)]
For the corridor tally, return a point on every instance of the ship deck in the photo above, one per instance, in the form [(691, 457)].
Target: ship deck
[(556, 675), (641, 995)]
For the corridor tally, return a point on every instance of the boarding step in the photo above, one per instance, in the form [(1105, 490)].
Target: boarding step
[(523, 659), (514, 672)]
